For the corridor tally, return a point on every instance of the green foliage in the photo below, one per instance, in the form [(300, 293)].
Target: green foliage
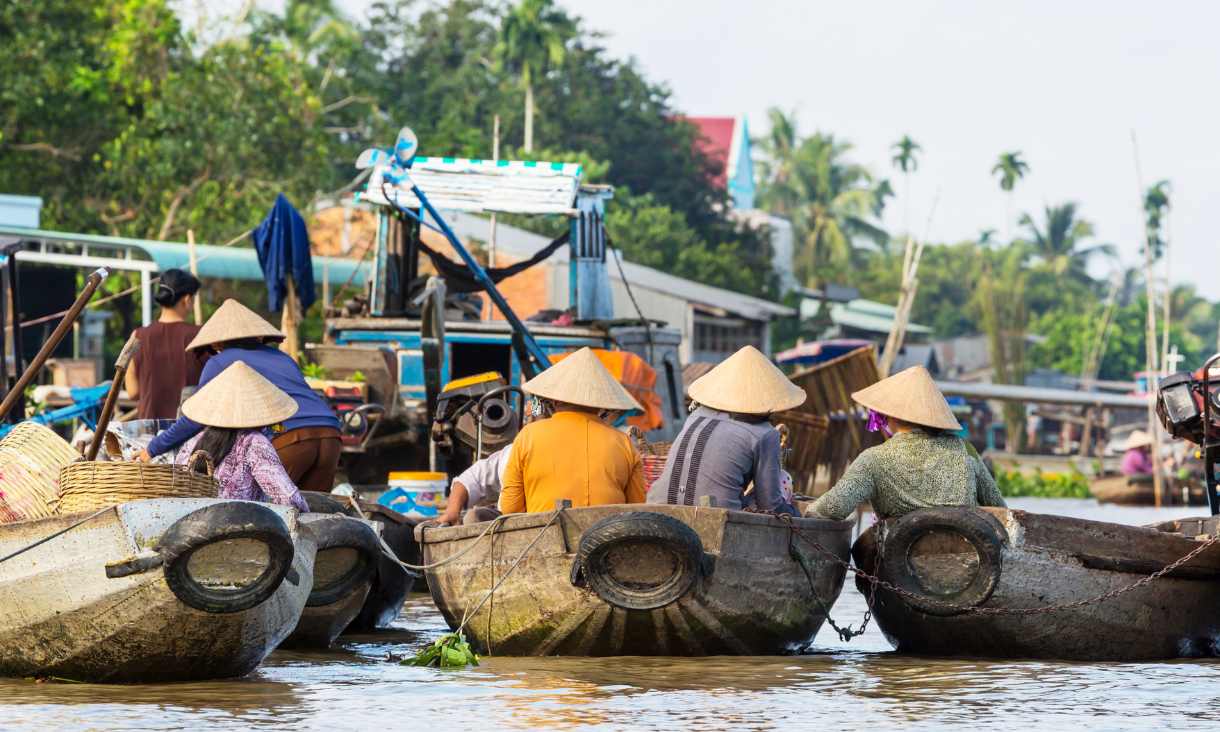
[(315, 371), (1011, 168), (1013, 483), (449, 651)]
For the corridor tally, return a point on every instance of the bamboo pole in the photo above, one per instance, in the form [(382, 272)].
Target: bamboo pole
[(190, 248), (1154, 427), (112, 396), (289, 320)]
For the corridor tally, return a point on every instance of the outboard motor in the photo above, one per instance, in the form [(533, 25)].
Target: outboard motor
[(1188, 406)]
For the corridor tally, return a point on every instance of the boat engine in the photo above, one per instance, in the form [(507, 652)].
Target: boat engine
[(475, 413), (1180, 406)]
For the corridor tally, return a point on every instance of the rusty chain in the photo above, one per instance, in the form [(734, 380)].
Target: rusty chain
[(876, 582)]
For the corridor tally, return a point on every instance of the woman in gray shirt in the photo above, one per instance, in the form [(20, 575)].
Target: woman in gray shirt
[(727, 441)]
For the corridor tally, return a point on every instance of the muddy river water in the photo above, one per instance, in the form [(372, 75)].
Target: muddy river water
[(856, 685)]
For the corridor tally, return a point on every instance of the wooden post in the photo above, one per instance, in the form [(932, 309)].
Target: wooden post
[(1150, 366), (190, 249), (290, 320)]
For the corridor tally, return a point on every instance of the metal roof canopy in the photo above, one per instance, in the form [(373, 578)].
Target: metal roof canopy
[(90, 250), (1016, 393), (476, 186)]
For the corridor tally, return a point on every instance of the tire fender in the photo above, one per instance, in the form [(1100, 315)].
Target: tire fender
[(220, 522), (338, 531), (983, 531), (659, 532)]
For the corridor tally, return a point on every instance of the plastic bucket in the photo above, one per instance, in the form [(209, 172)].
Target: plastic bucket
[(414, 493)]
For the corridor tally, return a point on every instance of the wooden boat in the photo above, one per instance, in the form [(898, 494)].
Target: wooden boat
[(347, 555), (157, 590), (391, 583), (953, 560), (1121, 490), (636, 580)]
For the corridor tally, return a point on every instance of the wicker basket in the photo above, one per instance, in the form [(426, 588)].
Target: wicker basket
[(88, 486), (31, 457)]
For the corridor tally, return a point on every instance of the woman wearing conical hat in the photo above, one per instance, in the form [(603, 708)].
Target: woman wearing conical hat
[(922, 464), (572, 454), (237, 409), (1137, 456), (727, 441), (308, 441)]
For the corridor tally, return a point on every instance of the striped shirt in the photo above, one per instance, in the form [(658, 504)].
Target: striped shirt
[(718, 455)]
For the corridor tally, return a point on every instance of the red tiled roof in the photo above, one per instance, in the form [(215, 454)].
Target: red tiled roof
[(716, 140)]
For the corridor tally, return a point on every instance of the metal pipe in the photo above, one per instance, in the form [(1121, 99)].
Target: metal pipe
[(18, 391), (112, 396), (1209, 463)]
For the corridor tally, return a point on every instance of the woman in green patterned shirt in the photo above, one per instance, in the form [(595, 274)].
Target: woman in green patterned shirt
[(922, 464)]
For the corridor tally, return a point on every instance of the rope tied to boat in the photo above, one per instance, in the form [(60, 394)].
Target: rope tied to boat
[(61, 532), (876, 582)]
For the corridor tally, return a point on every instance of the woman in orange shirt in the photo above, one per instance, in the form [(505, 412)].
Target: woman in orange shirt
[(573, 455)]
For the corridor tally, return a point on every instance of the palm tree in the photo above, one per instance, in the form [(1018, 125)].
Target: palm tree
[(1156, 203), (1060, 242), (1011, 169), (832, 203), (534, 38), (905, 160), (779, 148)]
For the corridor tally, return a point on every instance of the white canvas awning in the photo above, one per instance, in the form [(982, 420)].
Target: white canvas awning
[(505, 186)]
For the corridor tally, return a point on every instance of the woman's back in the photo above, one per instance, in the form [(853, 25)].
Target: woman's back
[(912, 470)]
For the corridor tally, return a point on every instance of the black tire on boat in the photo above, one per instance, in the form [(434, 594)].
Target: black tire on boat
[(319, 502), (983, 532), (676, 547), (344, 533), (221, 522)]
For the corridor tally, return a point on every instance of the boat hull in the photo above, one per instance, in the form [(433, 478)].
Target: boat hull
[(392, 583), (753, 597), (1052, 560), (62, 616), (1121, 491), (345, 565)]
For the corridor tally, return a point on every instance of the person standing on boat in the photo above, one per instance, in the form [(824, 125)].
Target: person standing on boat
[(162, 367), (922, 464), (728, 441), (236, 410), (308, 442), (572, 454), (1137, 456)]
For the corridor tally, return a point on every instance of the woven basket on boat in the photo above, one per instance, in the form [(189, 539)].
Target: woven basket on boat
[(31, 457), (88, 486)]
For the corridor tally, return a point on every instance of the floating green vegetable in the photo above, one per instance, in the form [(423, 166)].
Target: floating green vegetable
[(449, 651)]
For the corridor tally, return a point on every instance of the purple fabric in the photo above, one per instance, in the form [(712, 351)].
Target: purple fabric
[(1137, 462), (878, 422), (252, 471)]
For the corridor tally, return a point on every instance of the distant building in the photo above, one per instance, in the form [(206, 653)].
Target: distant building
[(726, 142)]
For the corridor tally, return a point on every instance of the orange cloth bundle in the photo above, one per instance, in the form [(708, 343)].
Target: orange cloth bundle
[(638, 378)]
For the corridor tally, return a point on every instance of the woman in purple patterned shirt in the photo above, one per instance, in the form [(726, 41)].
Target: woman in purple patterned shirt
[(238, 408)]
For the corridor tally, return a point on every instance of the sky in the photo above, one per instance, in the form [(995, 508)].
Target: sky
[(1064, 83)]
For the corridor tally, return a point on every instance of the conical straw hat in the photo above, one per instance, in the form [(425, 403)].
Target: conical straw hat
[(239, 398), (582, 380), (1138, 438), (912, 396), (746, 383), (233, 321)]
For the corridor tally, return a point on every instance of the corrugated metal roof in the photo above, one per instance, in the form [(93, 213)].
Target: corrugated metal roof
[(234, 263), (1013, 392), (507, 186), (867, 315)]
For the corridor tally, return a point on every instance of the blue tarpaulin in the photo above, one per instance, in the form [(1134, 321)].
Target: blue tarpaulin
[(282, 243)]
